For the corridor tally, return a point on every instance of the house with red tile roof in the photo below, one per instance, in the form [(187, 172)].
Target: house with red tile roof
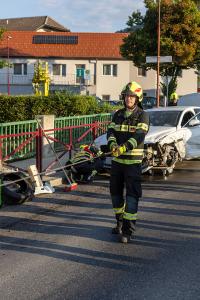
[(37, 23), (88, 63)]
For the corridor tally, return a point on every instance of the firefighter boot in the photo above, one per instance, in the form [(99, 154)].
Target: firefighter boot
[(125, 238), (128, 230), (118, 229)]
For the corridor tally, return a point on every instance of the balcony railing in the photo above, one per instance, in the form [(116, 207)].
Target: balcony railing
[(69, 79)]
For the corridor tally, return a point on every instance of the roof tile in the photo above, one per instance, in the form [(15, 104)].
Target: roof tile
[(90, 45)]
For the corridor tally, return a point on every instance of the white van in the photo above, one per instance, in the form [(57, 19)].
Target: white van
[(189, 100)]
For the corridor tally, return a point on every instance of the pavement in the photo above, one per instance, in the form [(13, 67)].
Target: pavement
[(60, 246)]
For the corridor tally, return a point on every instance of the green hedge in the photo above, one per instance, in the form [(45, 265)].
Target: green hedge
[(61, 104)]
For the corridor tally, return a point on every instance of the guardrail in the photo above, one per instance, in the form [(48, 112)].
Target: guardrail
[(13, 134), (18, 139), (69, 79)]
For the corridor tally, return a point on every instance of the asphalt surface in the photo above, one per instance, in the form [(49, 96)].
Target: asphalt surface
[(60, 246)]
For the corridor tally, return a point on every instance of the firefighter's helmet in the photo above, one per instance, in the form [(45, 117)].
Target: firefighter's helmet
[(89, 148), (134, 89)]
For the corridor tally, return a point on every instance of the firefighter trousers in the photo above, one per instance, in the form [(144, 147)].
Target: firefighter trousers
[(125, 177)]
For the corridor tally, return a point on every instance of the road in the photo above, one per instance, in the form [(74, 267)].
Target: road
[(60, 246)]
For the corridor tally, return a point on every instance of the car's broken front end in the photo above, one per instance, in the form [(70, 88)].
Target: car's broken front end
[(160, 156)]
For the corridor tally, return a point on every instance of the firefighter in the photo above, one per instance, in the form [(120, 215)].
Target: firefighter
[(85, 164), (126, 134), (173, 99)]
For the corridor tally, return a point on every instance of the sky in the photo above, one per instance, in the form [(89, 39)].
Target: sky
[(76, 15)]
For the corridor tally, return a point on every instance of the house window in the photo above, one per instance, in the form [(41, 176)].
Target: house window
[(110, 69), (114, 70), (20, 69), (59, 70), (106, 97), (142, 72), (64, 70)]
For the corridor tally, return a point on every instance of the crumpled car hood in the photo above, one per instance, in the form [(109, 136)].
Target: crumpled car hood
[(155, 134), (158, 132)]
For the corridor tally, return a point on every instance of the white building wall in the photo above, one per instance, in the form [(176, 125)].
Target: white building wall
[(147, 82), (112, 85), (103, 85), (187, 84)]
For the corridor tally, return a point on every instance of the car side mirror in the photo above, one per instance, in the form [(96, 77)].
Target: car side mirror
[(194, 122)]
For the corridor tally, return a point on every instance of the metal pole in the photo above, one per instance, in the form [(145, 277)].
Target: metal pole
[(158, 59), (8, 62), (167, 83), (39, 149)]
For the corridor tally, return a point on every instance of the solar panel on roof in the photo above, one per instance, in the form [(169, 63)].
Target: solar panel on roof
[(55, 39)]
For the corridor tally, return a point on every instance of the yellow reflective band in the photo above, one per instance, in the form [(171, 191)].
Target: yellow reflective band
[(133, 142), (111, 138), (118, 127), (82, 153), (134, 152), (119, 210), (111, 125), (143, 126), (127, 161), (124, 128), (82, 157), (129, 216)]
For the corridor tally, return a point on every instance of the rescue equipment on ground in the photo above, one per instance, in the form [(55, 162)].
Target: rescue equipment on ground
[(85, 164), (70, 185), (40, 187), (16, 192)]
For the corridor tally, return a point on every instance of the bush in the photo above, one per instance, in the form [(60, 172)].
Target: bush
[(61, 104)]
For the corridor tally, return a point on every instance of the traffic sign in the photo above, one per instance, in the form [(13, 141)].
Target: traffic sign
[(154, 59), (87, 75)]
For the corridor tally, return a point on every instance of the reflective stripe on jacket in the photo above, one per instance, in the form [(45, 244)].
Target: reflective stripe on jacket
[(129, 131)]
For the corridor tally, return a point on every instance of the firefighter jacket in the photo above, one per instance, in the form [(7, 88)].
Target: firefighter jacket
[(129, 131), (82, 156)]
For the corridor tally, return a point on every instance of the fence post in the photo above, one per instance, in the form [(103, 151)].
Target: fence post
[(39, 150), (44, 152), (95, 130), (1, 165)]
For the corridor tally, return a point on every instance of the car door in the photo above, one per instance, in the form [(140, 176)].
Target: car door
[(183, 129), (193, 143)]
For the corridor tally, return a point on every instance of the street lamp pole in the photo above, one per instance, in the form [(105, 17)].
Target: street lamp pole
[(158, 59), (8, 62)]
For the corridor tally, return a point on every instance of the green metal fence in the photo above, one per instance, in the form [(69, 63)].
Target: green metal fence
[(29, 150), (77, 132), (10, 143)]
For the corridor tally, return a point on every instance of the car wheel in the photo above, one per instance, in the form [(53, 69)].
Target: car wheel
[(16, 193)]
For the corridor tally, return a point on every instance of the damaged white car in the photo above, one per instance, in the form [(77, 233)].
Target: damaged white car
[(174, 135)]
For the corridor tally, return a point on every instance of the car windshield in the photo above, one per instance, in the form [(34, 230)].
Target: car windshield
[(164, 118), (197, 111), (148, 102)]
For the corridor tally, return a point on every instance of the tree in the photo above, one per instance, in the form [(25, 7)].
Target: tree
[(180, 37), (135, 21)]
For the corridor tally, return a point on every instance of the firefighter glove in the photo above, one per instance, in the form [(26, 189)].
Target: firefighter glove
[(113, 147), (119, 151)]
